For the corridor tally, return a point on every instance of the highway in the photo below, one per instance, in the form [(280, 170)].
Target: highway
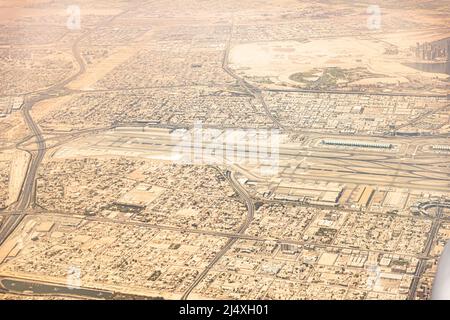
[(428, 247), (374, 93), (423, 171), (347, 166), (252, 90), (250, 213), (27, 191), (236, 235), (26, 197)]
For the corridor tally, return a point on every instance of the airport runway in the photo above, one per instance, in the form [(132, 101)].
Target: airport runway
[(422, 171)]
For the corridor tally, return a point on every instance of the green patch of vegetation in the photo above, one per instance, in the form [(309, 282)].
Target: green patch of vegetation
[(332, 77)]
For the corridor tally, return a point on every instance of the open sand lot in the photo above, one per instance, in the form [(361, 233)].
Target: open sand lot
[(13, 167), (280, 60), (210, 149)]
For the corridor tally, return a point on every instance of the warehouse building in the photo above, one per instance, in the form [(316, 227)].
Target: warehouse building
[(356, 143), (441, 147)]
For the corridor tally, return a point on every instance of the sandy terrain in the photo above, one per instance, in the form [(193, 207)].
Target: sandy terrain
[(280, 59), (19, 167)]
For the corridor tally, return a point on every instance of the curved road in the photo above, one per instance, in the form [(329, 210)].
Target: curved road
[(251, 211), (27, 193)]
